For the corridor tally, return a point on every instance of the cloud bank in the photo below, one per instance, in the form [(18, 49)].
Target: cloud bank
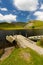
[(26, 5), (39, 15), (8, 18)]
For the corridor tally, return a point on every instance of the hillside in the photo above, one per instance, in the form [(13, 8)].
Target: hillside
[(12, 26), (34, 23)]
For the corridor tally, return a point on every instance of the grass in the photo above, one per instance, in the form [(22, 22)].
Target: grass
[(11, 28), (39, 44), (16, 59), (38, 24)]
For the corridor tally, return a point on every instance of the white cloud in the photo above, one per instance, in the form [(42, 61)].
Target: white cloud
[(39, 15), (8, 18), (41, 6), (3, 9), (26, 5)]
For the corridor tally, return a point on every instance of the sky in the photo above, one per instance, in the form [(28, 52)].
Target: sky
[(21, 10)]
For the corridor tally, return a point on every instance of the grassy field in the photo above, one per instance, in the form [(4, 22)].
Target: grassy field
[(23, 57)]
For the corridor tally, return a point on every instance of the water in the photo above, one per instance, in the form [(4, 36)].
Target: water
[(26, 33)]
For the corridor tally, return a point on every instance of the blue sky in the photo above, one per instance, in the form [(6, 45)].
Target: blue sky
[(21, 10)]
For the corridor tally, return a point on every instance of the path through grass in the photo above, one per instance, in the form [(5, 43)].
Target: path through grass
[(17, 58)]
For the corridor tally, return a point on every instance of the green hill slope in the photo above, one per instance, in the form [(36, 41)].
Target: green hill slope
[(34, 23), (11, 26)]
